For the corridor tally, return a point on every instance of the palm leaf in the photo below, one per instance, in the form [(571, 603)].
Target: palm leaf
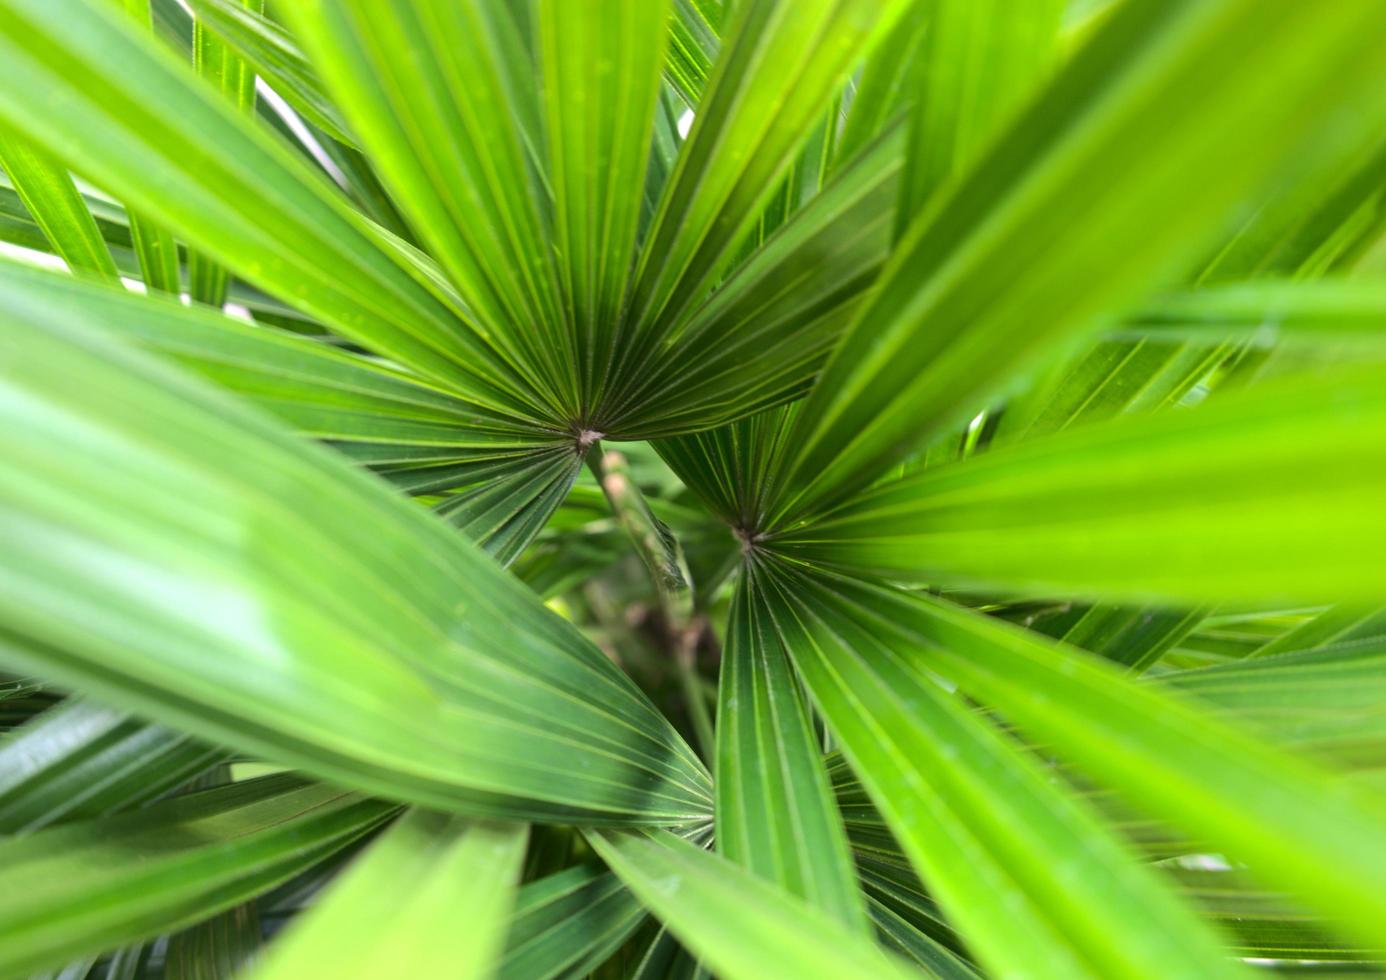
[(920, 357), (450, 869), (89, 886), (416, 640)]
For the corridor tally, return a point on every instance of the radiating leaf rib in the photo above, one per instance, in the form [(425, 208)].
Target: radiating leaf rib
[(370, 643), (779, 64), (79, 760), (423, 85), (54, 202), (1295, 825), (601, 64), (420, 438), (505, 512), (89, 886), (1161, 506), (1031, 878), (1144, 116), (729, 470), (248, 201), (276, 58), (776, 815), (737, 922), (566, 924), (765, 331), (430, 898)]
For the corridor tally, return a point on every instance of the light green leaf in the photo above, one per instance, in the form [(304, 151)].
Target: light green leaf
[(979, 62), (276, 58), (503, 480), (430, 898), (1325, 702), (1033, 881), (1095, 175), (425, 88), (1293, 824), (1268, 312), (1174, 505), (888, 84), (776, 815), (56, 205), (737, 922), (601, 63), (371, 643), (249, 202)]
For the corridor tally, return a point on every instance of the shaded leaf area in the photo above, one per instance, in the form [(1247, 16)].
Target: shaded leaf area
[(223, 946), (94, 885), (568, 923), (78, 761)]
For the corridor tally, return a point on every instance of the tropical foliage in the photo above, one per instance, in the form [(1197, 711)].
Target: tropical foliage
[(658, 488)]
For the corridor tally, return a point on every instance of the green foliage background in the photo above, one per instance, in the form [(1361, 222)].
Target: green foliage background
[(669, 488)]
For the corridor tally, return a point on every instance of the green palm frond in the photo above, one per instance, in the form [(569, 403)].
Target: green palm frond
[(679, 488)]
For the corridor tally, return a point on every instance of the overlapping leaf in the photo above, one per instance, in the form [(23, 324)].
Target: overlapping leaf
[(180, 555), (1162, 91)]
